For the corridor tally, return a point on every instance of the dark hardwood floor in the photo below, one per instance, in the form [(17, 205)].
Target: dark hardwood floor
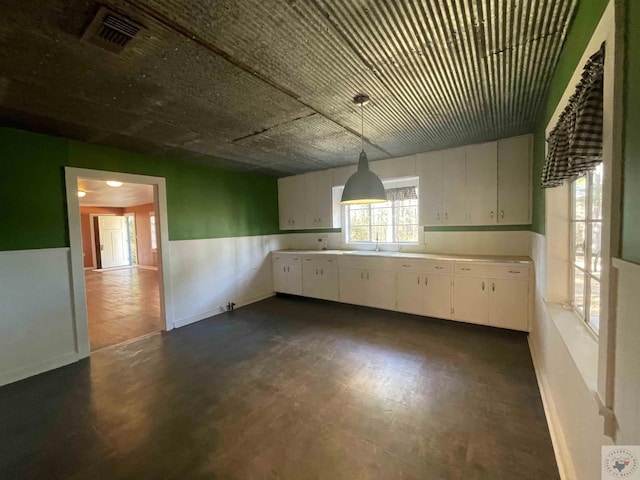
[(287, 388)]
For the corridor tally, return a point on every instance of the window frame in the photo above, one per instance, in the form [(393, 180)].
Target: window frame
[(153, 231), (388, 184)]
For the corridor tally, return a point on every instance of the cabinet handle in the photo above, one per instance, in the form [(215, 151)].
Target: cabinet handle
[(493, 286), (288, 269), (418, 279), (501, 213), (361, 275), (439, 268), (446, 216), (406, 266), (483, 286), (284, 269), (321, 272), (465, 269), (316, 271), (426, 281), (491, 214), (514, 271), (367, 275), (438, 215)]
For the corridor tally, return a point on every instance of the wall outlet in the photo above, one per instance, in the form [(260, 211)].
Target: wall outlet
[(322, 242)]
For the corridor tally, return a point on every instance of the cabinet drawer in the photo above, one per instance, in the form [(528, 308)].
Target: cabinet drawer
[(427, 266), (328, 260), (492, 271), (290, 258), (366, 263)]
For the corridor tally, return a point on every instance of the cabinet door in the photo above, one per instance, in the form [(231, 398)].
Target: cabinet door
[(279, 277), (328, 284), (351, 286), (318, 206), (437, 296), (471, 300), (298, 199), (409, 292), (311, 280), (482, 183), (454, 200), (286, 191), (380, 289), (294, 279), (397, 167), (514, 180), (509, 304), (429, 167)]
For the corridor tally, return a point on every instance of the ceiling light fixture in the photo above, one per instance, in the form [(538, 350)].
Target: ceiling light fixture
[(114, 183), (82, 193), (364, 186)]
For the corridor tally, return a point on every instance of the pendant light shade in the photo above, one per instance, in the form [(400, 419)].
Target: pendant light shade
[(364, 186)]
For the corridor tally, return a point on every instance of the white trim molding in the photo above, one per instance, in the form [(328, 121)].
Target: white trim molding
[(79, 299)]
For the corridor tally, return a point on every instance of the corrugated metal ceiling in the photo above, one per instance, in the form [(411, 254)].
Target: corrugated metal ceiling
[(266, 85)]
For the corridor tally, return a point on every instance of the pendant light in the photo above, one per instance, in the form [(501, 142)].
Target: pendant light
[(364, 186)]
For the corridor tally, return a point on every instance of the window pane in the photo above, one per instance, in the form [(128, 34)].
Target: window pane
[(579, 198), (381, 233), (594, 305), (380, 216), (406, 216), (359, 234), (407, 233), (579, 231), (578, 289), (358, 216), (595, 244), (596, 193)]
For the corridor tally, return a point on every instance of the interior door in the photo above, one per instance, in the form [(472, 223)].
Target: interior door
[(114, 241)]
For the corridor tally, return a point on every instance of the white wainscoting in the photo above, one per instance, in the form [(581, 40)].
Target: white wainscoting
[(36, 321), (572, 411), (207, 274), (627, 374)]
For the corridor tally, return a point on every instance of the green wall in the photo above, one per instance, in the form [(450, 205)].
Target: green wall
[(202, 202), (631, 142), (584, 23)]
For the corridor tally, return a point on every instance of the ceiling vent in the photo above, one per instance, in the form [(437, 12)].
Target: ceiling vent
[(110, 30)]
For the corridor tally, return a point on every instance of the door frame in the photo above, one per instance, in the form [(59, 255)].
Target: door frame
[(94, 257), (79, 298)]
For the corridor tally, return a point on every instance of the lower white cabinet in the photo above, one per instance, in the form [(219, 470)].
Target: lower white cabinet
[(287, 274), (320, 277), (498, 302), (481, 292), (368, 287), (424, 294)]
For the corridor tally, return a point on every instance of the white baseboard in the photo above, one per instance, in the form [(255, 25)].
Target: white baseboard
[(22, 373), (201, 316), (147, 267), (565, 465)]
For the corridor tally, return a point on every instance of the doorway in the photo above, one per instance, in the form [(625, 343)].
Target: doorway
[(119, 271)]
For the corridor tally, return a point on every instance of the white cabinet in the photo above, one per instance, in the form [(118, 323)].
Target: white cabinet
[(429, 169), (367, 287), (320, 277), (287, 273), (394, 167), (482, 184), (471, 300), (514, 180), (351, 286), (454, 197), (291, 202), (508, 304), (497, 296), (410, 292), (318, 207), (437, 296)]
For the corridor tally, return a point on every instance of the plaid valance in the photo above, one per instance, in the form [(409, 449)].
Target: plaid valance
[(575, 143), (402, 193)]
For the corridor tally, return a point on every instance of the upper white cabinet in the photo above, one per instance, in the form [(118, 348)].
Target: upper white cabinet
[(454, 197), (482, 184), (317, 203), (291, 205), (514, 180), (394, 167), (429, 169)]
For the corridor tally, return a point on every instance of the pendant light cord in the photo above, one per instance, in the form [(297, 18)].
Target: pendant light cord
[(362, 126)]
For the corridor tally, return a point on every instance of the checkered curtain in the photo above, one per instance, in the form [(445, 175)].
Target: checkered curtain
[(402, 193), (575, 143)]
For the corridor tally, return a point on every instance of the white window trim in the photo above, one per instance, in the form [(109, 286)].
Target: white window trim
[(341, 217), (153, 233), (557, 225)]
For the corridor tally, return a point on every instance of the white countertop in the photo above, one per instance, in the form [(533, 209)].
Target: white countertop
[(424, 256)]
